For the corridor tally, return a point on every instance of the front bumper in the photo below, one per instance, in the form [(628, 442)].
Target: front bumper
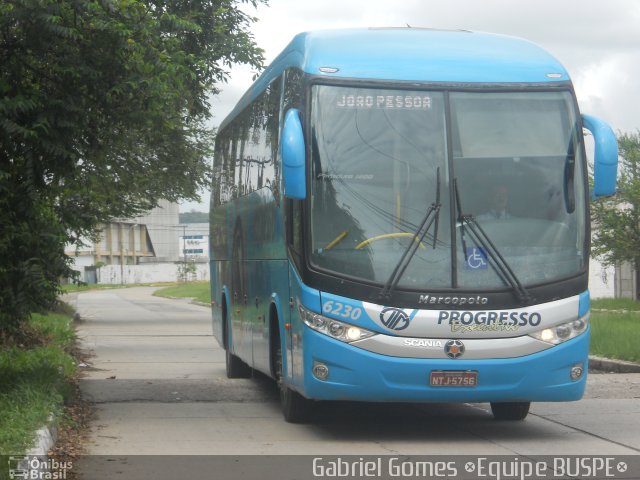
[(357, 374)]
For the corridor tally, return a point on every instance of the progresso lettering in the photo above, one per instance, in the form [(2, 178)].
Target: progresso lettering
[(405, 102), (519, 319)]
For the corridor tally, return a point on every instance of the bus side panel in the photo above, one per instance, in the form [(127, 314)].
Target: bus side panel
[(271, 283), (296, 347), (216, 268), (240, 314), (267, 271), (258, 271), (220, 265)]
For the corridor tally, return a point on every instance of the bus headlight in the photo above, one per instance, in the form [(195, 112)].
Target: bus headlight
[(563, 332), (333, 328)]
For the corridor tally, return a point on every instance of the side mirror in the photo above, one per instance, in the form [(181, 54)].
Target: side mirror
[(605, 162), (293, 154)]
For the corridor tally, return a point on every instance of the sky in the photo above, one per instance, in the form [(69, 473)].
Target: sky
[(597, 41)]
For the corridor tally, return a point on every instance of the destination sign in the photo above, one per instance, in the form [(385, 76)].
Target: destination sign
[(385, 102)]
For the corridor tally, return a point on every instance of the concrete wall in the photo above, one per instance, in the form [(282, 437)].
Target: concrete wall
[(147, 273), (602, 280)]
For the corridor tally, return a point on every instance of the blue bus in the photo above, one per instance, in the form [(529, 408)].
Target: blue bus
[(402, 215)]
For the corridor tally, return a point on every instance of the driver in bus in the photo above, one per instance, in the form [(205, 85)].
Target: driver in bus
[(498, 202)]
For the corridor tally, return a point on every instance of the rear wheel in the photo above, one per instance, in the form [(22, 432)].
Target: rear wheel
[(236, 368), (510, 410)]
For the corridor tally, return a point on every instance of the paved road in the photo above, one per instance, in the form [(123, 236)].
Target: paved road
[(157, 378)]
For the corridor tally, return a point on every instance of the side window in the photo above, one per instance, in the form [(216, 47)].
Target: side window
[(295, 239), (255, 133), (223, 169), (271, 113), (296, 226), (292, 97)]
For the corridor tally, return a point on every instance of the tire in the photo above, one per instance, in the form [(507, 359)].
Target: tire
[(295, 407), (511, 411), (236, 368)]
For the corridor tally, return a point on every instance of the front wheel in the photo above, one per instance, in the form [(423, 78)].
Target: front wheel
[(510, 410), (295, 408)]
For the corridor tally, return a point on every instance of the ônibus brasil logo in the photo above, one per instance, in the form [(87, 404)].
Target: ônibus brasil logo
[(394, 318)]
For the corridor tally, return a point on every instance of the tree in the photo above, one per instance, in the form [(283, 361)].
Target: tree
[(616, 220), (103, 111), (194, 217)]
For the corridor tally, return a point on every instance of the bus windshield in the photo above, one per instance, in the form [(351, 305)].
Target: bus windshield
[(378, 156)]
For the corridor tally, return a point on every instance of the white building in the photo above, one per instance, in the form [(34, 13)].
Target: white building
[(142, 249), (194, 242)]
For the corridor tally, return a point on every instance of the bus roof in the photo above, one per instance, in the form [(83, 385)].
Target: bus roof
[(413, 55)]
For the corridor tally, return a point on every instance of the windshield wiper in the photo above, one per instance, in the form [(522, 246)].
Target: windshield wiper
[(479, 236), (431, 216)]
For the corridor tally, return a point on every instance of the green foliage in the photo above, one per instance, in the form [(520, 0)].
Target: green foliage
[(187, 271), (613, 335), (34, 373), (194, 217), (627, 304), (31, 251), (103, 112), (616, 220)]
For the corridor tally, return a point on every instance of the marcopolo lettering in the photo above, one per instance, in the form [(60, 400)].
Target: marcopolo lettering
[(520, 319), (449, 300)]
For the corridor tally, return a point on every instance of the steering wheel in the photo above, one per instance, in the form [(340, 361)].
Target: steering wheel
[(366, 242)]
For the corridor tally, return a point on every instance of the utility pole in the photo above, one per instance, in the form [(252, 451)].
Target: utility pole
[(122, 255), (184, 243), (184, 252)]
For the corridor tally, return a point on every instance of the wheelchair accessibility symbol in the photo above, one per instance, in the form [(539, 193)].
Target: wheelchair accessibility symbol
[(476, 258)]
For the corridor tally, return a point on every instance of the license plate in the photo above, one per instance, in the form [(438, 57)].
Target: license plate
[(453, 378)]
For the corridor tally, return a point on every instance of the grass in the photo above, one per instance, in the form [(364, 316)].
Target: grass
[(615, 335), (615, 328), (83, 287), (615, 304), (200, 291), (35, 370)]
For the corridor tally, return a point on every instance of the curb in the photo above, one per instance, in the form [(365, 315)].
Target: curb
[(201, 304), (611, 365), (45, 439), (35, 462)]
